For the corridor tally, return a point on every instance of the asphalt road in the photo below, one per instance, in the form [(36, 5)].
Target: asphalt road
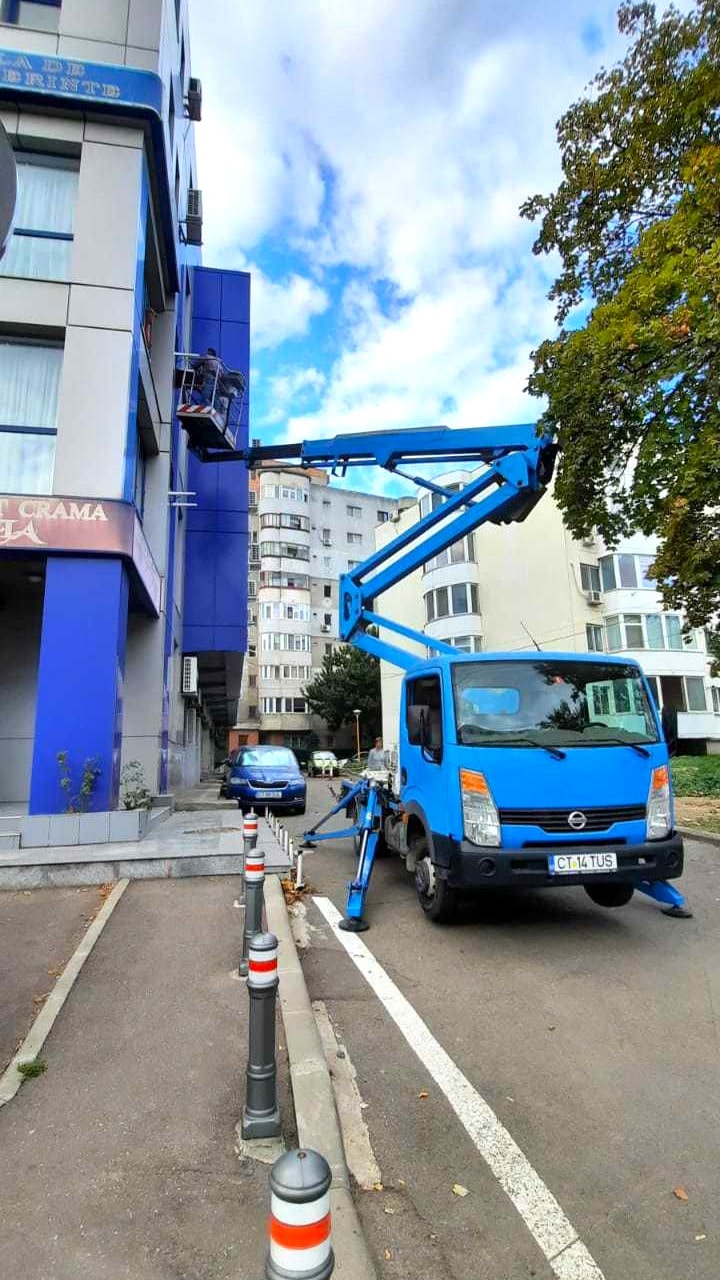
[(593, 1036)]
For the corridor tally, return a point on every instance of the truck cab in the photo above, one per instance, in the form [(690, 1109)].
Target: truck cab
[(532, 770)]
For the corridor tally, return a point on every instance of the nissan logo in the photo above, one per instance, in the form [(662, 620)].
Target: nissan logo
[(577, 820)]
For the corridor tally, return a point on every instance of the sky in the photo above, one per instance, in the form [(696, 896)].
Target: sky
[(366, 162)]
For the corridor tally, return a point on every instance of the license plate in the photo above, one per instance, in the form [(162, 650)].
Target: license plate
[(269, 795), (573, 864)]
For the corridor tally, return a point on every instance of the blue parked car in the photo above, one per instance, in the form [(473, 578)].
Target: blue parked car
[(266, 777)]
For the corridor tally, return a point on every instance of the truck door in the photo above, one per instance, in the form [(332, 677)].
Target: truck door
[(422, 773)]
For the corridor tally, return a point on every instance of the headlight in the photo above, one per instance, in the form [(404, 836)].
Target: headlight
[(480, 816), (659, 808)]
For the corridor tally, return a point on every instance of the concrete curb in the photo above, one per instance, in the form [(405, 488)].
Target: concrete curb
[(317, 1121), (706, 837), (11, 1079)]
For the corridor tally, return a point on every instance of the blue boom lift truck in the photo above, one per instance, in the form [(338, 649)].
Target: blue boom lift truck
[(515, 769)]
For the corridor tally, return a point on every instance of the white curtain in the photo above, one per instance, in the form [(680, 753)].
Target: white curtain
[(46, 202), (29, 384)]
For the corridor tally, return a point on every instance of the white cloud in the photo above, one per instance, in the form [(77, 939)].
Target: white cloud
[(397, 139), (286, 389)]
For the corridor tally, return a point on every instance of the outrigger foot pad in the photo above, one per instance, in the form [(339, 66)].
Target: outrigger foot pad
[(679, 913), (350, 925)]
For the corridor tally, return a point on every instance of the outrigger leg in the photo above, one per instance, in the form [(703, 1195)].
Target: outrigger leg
[(357, 888), (663, 891)]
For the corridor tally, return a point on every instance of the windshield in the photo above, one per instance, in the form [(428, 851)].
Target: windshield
[(550, 702), (268, 757), (323, 755)]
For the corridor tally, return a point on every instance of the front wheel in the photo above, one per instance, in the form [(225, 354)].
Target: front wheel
[(609, 895), (437, 899)]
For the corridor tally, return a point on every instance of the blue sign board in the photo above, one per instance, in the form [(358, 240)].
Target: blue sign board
[(102, 84)]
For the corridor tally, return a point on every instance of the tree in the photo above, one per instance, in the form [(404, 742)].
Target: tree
[(633, 386), (349, 678)]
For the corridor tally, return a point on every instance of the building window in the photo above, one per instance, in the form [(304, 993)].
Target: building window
[(327, 592), (252, 589), (327, 619), (673, 631), (614, 637), (646, 580), (355, 513), (715, 690), (299, 705), (353, 564), (297, 581), (290, 550), (140, 472), (607, 572), (695, 693), (29, 383), (634, 636), (355, 539), (443, 602), (458, 553), (41, 244), (252, 681), (590, 577), (327, 563), (326, 504), (627, 571), (325, 535), (382, 516), (282, 520), (38, 15), (284, 640), (595, 637), (464, 644)]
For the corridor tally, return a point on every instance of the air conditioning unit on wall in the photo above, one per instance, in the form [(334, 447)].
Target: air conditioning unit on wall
[(189, 676), (194, 216), (593, 597)]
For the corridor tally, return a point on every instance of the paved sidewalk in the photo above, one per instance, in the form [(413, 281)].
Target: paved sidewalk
[(38, 934), (119, 1161)]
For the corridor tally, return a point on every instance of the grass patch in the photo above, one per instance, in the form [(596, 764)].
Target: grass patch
[(696, 775), (30, 1070)]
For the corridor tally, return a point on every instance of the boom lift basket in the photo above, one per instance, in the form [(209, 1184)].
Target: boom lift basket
[(210, 403)]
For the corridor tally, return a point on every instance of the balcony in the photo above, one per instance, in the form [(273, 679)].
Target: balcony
[(698, 724)]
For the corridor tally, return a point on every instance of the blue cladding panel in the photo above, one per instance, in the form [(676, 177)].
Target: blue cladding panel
[(217, 529), (80, 679), (206, 295)]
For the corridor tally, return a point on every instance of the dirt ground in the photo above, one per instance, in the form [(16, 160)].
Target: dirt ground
[(698, 811)]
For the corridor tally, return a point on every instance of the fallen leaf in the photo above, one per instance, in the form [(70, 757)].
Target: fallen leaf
[(378, 1186), (401, 1182), (680, 1193), (702, 1237), (387, 1255), (388, 1209), (551, 1028), (53, 973), (423, 1094), (459, 1190)]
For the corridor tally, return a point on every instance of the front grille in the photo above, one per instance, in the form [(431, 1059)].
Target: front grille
[(268, 786), (555, 821)]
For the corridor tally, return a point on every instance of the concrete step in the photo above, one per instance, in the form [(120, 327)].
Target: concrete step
[(9, 840), (69, 866)]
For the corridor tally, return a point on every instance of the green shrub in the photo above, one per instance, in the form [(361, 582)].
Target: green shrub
[(696, 775)]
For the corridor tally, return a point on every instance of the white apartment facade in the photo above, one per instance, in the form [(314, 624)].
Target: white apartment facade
[(305, 533), (512, 587)]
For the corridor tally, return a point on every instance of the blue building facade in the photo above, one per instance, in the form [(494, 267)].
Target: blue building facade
[(123, 557)]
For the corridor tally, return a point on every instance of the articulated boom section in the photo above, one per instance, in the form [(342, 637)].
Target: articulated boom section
[(518, 468)]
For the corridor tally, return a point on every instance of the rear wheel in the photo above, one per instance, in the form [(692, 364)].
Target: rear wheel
[(437, 899), (609, 895)]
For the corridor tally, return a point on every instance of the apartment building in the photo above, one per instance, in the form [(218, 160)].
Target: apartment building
[(305, 533), (122, 634), (514, 587)]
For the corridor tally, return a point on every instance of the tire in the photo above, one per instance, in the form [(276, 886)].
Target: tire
[(437, 900), (301, 809), (609, 895)]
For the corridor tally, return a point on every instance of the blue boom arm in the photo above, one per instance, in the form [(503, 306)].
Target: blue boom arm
[(518, 467)]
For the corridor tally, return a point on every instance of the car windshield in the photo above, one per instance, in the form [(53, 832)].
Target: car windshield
[(324, 755), (268, 757), (551, 702)]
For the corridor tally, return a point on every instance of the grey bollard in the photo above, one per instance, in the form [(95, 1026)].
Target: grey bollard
[(300, 1225), (254, 903), (261, 1115)]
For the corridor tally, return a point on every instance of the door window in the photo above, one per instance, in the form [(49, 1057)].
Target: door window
[(425, 692)]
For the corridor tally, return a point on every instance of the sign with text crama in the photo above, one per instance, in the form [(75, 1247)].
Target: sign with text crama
[(66, 524), (84, 525)]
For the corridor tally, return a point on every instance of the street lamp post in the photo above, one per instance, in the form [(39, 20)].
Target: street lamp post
[(356, 714)]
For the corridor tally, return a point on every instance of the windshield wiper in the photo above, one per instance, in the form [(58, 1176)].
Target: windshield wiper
[(622, 742), (555, 752)]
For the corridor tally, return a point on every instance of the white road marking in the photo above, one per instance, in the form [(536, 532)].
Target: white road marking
[(537, 1206)]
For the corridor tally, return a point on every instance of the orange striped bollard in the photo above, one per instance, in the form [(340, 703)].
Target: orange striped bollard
[(261, 1115), (300, 1225), (254, 901)]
